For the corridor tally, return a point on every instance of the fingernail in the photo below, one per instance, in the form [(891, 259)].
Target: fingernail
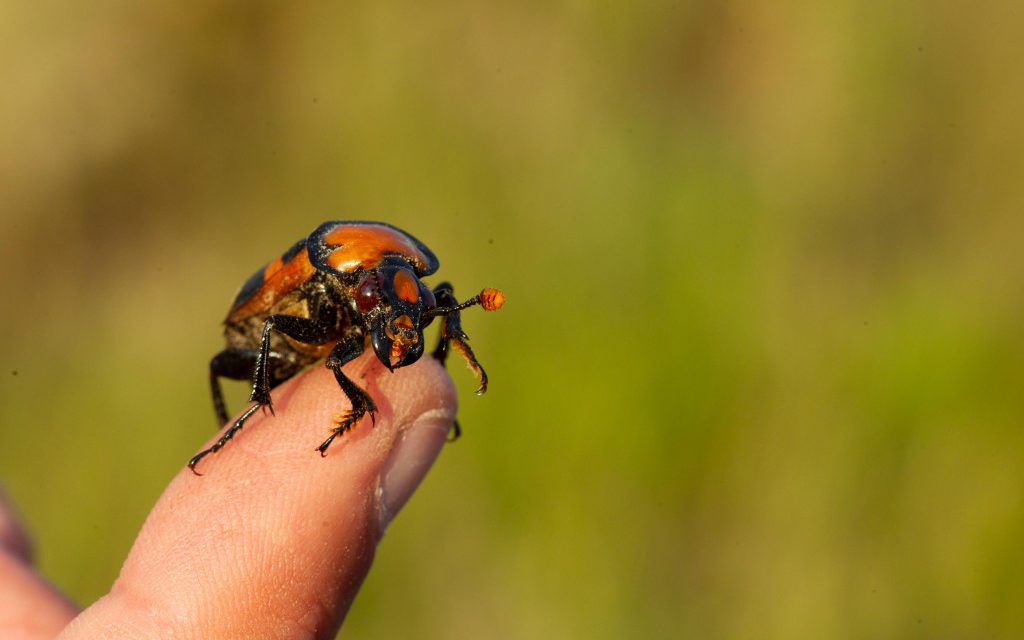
[(410, 459)]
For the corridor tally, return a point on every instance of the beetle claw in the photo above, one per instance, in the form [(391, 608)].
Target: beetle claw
[(195, 460), (262, 398), (323, 447)]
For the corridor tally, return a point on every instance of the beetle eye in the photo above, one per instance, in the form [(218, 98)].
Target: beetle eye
[(366, 293)]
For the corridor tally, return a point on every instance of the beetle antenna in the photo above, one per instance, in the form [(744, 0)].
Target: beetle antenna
[(489, 299)]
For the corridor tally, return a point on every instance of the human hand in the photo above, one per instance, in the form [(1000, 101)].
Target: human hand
[(272, 541)]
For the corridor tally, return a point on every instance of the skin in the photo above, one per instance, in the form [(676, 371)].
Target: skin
[(273, 541)]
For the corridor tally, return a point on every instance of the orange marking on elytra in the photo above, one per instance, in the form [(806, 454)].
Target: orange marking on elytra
[(364, 246), (279, 280), (272, 268)]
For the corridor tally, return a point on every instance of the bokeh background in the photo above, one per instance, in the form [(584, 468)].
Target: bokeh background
[(760, 370)]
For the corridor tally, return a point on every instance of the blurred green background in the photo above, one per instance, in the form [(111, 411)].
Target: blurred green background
[(760, 370)]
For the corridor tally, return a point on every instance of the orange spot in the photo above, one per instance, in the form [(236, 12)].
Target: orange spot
[(272, 268), (406, 286), (491, 299), (365, 246), (279, 280)]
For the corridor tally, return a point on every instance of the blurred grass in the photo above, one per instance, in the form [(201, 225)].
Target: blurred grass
[(759, 372)]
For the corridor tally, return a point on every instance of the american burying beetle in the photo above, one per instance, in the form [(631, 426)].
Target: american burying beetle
[(347, 284)]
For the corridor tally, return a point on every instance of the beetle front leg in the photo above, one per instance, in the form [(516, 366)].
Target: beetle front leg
[(342, 353), (452, 334)]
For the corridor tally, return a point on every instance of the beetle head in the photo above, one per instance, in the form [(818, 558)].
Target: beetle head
[(394, 300)]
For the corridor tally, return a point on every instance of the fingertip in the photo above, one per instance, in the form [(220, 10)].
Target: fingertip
[(273, 532), (409, 460)]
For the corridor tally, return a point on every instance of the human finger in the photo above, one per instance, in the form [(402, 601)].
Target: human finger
[(273, 541), (30, 608)]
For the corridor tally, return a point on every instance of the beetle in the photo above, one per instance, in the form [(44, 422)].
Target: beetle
[(346, 285)]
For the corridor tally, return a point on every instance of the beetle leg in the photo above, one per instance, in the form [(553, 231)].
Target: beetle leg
[(344, 352), (239, 364), (301, 329), (453, 335), (217, 446)]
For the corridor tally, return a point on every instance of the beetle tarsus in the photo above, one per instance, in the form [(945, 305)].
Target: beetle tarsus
[(345, 422), (230, 433)]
